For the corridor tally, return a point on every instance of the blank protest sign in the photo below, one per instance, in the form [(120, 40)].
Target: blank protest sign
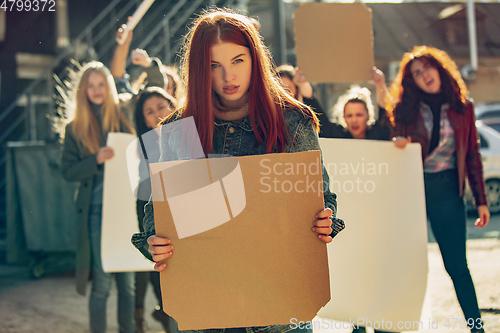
[(334, 42), (119, 216), (240, 273), (378, 264)]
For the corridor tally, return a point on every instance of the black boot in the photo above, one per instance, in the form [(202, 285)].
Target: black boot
[(162, 317)]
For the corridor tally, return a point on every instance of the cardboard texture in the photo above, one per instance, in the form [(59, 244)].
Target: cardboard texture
[(334, 42), (378, 264), (119, 216), (259, 263)]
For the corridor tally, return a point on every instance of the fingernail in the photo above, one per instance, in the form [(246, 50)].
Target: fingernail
[(313, 229)]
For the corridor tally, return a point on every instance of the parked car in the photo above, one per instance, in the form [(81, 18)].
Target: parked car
[(489, 114), (490, 155)]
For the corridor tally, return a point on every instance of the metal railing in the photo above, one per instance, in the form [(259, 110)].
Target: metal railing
[(29, 97), (158, 34)]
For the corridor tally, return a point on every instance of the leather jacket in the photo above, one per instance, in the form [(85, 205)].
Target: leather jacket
[(467, 147)]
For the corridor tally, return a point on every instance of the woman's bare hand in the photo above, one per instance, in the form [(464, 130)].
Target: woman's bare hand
[(141, 57), (322, 225), (160, 249), (401, 141), (104, 154), (484, 216)]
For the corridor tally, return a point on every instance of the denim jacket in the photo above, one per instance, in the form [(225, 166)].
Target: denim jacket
[(231, 139)]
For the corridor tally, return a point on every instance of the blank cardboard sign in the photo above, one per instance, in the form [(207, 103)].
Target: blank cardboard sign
[(258, 262), (334, 42)]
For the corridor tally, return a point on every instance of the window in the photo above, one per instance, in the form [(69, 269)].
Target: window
[(496, 127), (482, 142), (489, 114)]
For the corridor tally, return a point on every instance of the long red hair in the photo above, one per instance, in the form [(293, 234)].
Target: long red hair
[(267, 98), (404, 100)]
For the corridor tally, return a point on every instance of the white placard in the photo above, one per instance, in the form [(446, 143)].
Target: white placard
[(119, 216), (378, 264)]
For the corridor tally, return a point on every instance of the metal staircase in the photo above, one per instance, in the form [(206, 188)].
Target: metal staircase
[(159, 33)]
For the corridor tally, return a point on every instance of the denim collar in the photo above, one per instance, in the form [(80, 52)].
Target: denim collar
[(244, 124)]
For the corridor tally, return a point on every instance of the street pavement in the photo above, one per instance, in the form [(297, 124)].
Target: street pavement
[(51, 304)]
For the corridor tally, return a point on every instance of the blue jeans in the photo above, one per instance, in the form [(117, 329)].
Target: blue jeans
[(101, 284), (446, 214)]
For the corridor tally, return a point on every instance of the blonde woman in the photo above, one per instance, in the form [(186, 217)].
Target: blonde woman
[(96, 112), (354, 111)]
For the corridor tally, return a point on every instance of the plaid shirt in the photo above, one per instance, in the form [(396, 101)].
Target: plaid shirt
[(443, 157)]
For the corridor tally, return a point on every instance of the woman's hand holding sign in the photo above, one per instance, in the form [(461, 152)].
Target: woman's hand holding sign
[(160, 249), (322, 225)]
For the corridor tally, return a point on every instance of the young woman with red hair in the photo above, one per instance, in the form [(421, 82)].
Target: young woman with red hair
[(239, 108), (429, 105)]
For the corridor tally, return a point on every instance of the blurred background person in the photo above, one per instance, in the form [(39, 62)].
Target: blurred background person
[(295, 80), (152, 75), (153, 105), (96, 113), (354, 112), (430, 105)]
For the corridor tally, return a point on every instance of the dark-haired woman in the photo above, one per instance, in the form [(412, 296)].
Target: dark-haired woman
[(294, 79), (429, 105), (153, 105)]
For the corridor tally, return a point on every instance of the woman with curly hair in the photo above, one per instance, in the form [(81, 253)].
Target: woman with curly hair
[(429, 105)]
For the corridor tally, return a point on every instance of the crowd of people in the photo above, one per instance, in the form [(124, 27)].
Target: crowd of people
[(229, 82)]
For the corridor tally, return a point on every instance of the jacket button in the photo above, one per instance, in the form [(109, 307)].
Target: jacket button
[(231, 129)]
